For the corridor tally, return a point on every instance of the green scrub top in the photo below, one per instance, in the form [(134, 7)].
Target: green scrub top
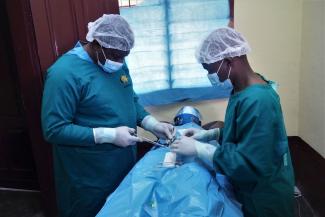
[(254, 153), (79, 96)]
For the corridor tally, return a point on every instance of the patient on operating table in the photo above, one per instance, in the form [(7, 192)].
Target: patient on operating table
[(165, 185), (186, 118)]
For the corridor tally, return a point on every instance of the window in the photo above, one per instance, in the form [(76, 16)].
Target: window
[(167, 32), (129, 3)]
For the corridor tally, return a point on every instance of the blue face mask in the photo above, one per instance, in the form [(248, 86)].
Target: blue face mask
[(109, 65), (275, 86), (215, 81)]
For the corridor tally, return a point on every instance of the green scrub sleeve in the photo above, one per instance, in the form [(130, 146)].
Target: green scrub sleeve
[(249, 158), (141, 112), (60, 99)]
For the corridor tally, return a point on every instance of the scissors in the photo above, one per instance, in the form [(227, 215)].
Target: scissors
[(149, 140), (170, 141)]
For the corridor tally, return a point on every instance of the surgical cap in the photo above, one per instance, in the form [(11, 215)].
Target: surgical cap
[(220, 44), (111, 31)]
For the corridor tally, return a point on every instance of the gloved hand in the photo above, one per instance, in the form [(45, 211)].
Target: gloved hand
[(184, 146), (159, 129), (124, 137), (202, 135), (163, 130), (120, 136), (190, 147)]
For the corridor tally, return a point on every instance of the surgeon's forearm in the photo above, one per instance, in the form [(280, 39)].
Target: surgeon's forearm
[(213, 134), (149, 122), (205, 151), (104, 135)]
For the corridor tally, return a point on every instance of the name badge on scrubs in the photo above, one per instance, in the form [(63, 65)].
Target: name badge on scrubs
[(124, 80)]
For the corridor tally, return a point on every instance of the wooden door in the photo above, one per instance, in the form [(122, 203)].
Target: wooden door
[(60, 24), (17, 165), (41, 31)]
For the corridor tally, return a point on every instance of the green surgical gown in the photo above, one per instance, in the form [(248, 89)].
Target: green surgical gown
[(254, 153), (79, 96)]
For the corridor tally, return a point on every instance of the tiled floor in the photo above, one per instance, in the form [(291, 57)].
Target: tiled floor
[(303, 209), (302, 206), (20, 204)]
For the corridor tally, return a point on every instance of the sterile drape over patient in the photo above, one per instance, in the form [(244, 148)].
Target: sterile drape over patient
[(186, 189)]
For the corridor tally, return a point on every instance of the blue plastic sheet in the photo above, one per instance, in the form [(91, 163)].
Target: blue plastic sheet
[(186, 190)]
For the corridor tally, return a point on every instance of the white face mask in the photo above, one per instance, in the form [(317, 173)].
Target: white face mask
[(215, 81), (109, 65)]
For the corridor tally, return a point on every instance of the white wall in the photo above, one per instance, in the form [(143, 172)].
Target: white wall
[(273, 28), (312, 77), (288, 45)]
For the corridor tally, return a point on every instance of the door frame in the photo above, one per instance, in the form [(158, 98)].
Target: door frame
[(26, 26), (31, 87)]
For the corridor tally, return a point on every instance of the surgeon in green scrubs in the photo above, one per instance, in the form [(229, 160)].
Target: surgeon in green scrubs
[(90, 113), (253, 149)]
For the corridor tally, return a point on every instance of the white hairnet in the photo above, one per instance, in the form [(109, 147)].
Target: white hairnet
[(220, 44), (111, 31)]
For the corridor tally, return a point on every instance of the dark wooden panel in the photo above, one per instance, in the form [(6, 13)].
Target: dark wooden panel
[(143, 148), (59, 24), (309, 167), (17, 166), (60, 19), (232, 16), (41, 31), (44, 31), (8, 89), (30, 82)]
